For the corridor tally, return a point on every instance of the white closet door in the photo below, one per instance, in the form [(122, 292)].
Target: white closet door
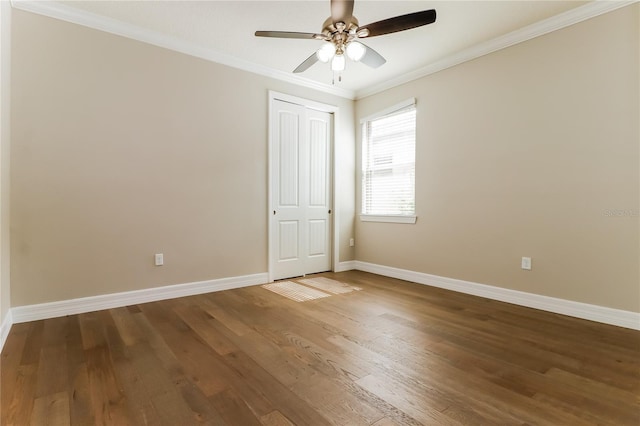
[(318, 194), (300, 190)]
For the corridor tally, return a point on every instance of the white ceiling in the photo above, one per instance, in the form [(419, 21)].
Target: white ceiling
[(227, 27)]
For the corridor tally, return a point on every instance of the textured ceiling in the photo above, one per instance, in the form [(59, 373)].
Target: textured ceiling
[(227, 27)]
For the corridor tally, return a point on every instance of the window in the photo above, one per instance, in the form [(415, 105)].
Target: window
[(388, 165)]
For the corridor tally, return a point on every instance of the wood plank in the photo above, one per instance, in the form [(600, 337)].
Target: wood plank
[(200, 322), (189, 392), (80, 404), (51, 410), (224, 315), (92, 330), (128, 329), (299, 362), (191, 352), (394, 395), (233, 408), (385, 422), (33, 346), (203, 411), (18, 411), (622, 407), (275, 418), (108, 401), (73, 341), (328, 397), (53, 375), (286, 401), (133, 386), (9, 367)]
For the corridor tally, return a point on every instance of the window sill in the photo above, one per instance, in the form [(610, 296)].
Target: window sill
[(388, 218)]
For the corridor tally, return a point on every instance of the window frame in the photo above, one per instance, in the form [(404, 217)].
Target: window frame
[(387, 218)]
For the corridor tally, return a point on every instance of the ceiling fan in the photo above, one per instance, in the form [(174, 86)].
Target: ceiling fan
[(341, 32)]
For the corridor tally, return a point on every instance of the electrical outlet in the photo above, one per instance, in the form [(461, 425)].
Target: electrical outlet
[(352, 242), (526, 263), (159, 259)]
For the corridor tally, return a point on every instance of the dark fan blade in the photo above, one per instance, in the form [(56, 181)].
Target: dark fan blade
[(341, 11), (400, 23), (372, 58), (307, 63), (286, 34)]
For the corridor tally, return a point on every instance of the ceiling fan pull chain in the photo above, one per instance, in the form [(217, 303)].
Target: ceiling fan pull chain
[(333, 79)]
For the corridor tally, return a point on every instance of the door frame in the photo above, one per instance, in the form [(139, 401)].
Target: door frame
[(334, 111)]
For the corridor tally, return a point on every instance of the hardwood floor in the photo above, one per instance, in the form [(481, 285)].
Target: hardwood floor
[(394, 353)]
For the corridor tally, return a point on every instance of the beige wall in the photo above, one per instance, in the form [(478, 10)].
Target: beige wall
[(121, 150), (521, 153), (5, 133)]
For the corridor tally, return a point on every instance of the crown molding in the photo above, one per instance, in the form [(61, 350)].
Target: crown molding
[(66, 13), (63, 12), (563, 20)]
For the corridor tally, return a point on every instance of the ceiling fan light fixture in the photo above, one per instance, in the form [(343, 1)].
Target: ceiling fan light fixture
[(326, 52), (355, 50), (338, 63)]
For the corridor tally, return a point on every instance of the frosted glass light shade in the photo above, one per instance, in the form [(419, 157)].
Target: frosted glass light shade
[(355, 51), (326, 52), (338, 63)]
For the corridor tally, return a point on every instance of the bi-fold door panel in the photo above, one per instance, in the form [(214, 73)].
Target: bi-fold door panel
[(319, 191), (300, 190)]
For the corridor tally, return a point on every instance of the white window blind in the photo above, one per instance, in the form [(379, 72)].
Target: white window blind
[(388, 163)]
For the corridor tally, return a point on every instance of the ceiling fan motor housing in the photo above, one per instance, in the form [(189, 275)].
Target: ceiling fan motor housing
[(340, 33)]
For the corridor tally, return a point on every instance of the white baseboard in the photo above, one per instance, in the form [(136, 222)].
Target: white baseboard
[(87, 304), (107, 301), (345, 266), (5, 326), (586, 311)]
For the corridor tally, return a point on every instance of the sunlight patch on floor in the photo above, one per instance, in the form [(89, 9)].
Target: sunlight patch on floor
[(327, 284), (295, 291), (322, 287)]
